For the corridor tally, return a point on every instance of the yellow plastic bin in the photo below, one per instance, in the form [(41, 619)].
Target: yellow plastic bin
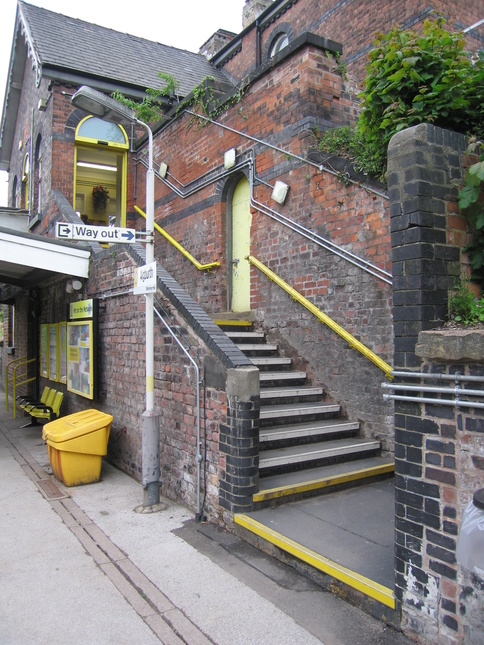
[(76, 445)]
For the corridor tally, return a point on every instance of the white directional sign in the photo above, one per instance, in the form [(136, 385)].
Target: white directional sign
[(103, 234), (145, 279)]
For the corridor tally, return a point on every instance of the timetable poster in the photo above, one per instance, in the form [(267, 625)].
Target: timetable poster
[(80, 363), (82, 333)]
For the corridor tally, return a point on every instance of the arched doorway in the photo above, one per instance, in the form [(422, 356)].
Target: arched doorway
[(240, 247)]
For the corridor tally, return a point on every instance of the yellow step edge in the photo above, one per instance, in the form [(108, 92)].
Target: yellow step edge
[(355, 580), (234, 323), (324, 482)]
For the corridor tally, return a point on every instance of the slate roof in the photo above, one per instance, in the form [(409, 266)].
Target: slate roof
[(63, 43)]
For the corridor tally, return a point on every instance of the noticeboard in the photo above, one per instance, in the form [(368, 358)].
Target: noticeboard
[(81, 348), (44, 350), (53, 352)]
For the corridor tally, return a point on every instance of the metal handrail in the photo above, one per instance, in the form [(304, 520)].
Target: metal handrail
[(179, 247), (20, 363), (324, 318), (7, 380), (209, 178), (458, 391), (186, 351)]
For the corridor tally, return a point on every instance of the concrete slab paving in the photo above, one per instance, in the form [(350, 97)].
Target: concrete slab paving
[(87, 568), (353, 527)]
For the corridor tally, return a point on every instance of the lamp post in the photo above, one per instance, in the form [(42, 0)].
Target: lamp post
[(111, 110)]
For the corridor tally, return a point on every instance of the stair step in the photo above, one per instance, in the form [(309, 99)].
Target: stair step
[(282, 376), (270, 361), (256, 335), (315, 452), (323, 478), (312, 429), (232, 323), (257, 347), (289, 392), (270, 412)]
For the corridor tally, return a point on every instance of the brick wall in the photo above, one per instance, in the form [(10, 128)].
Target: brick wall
[(330, 19), (310, 92), (438, 448)]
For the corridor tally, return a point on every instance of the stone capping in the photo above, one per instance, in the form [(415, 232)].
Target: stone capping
[(451, 345)]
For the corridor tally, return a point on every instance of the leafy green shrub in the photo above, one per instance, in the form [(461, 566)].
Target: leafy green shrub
[(351, 144), (465, 308), (420, 77), (413, 78), (471, 201)]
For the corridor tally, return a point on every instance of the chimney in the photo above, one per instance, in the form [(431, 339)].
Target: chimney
[(215, 43), (253, 9)]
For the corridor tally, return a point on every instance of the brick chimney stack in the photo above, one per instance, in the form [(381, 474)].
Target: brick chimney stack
[(252, 9)]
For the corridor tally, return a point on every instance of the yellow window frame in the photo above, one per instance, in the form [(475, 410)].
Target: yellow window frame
[(88, 143)]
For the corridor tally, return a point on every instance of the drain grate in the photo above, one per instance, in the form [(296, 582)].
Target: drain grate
[(50, 490)]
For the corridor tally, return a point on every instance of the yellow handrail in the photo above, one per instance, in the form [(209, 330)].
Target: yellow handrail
[(179, 247), (20, 362), (324, 318)]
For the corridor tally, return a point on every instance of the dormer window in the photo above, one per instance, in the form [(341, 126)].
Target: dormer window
[(280, 42)]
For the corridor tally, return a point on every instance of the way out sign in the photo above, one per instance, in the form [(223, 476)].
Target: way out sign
[(145, 279), (103, 234)]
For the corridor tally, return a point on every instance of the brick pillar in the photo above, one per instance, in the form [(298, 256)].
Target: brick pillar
[(424, 169), (239, 440)]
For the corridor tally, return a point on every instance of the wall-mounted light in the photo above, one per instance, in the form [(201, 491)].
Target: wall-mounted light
[(163, 169), (73, 285), (229, 158), (279, 193), (42, 105)]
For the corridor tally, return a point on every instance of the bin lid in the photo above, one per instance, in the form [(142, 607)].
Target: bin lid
[(479, 498), (75, 425)]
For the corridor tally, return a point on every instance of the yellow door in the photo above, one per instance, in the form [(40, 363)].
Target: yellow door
[(241, 221)]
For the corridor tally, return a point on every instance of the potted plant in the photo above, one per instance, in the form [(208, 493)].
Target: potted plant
[(100, 198)]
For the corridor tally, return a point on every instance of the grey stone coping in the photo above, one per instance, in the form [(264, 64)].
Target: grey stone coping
[(451, 345)]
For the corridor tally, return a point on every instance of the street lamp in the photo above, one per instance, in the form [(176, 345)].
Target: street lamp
[(113, 111)]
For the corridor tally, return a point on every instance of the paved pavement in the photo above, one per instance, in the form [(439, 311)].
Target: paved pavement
[(79, 565)]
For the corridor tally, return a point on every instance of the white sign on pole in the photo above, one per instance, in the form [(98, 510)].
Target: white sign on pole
[(145, 279), (103, 234)]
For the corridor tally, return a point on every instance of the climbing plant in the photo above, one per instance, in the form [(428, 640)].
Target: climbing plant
[(151, 107)]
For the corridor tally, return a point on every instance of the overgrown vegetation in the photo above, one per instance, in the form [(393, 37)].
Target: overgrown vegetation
[(464, 307), (471, 202), (150, 109), (414, 78)]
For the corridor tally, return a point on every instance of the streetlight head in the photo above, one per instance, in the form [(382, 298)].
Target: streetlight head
[(102, 106)]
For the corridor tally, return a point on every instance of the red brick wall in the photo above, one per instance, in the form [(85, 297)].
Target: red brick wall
[(309, 92), (354, 25)]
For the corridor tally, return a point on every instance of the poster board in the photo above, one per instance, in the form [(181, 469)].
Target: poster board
[(80, 358), (63, 352), (44, 351), (53, 352), (81, 348)]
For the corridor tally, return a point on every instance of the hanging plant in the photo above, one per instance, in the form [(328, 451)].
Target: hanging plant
[(100, 197)]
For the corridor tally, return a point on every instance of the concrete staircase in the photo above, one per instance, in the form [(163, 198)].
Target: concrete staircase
[(342, 537), (306, 447)]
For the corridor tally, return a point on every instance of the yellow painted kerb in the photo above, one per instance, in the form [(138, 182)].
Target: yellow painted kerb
[(323, 482), (351, 578)]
